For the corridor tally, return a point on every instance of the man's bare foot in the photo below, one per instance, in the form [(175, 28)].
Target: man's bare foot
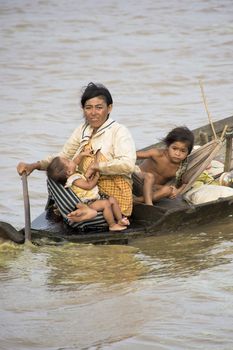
[(117, 227), (124, 221), (82, 213)]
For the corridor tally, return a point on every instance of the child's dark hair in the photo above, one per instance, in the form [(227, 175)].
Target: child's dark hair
[(180, 134), (96, 90), (57, 171)]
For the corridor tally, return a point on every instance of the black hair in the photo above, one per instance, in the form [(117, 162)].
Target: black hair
[(57, 171), (180, 134), (96, 90)]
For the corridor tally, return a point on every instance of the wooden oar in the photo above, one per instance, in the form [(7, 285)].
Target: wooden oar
[(27, 214), (7, 231)]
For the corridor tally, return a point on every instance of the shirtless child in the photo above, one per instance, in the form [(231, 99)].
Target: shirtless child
[(165, 165)]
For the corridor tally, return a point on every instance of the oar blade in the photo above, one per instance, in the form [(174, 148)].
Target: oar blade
[(7, 231)]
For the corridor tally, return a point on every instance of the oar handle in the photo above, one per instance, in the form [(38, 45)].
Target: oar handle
[(26, 208)]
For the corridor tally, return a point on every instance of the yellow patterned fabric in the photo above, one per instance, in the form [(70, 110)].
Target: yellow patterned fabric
[(120, 188), (84, 195), (117, 186)]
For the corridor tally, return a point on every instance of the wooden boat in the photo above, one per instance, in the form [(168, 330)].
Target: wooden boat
[(166, 216)]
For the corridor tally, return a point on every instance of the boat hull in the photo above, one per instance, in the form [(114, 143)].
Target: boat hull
[(166, 216), (146, 221)]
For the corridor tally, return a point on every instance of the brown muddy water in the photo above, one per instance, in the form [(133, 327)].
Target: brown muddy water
[(174, 291)]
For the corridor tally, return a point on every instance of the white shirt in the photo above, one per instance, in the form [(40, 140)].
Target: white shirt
[(112, 139)]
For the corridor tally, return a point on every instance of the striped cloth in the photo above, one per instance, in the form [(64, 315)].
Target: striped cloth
[(66, 201)]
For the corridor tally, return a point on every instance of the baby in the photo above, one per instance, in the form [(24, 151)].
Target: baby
[(63, 171)]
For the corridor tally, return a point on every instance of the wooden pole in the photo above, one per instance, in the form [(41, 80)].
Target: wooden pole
[(26, 208), (228, 153), (223, 132)]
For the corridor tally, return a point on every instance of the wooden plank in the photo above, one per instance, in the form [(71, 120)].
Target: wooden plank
[(167, 216)]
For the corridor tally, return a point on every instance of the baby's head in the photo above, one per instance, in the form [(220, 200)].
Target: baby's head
[(60, 169), (180, 134)]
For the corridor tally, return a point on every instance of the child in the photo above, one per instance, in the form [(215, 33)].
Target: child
[(163, 165), (63, 171)]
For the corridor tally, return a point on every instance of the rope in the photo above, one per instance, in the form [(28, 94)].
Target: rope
[(206, 108)]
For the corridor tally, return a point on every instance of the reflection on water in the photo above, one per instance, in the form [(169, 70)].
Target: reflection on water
[(69, 284), (190, 251), (157, 291), (9, 253), (73, 266)]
